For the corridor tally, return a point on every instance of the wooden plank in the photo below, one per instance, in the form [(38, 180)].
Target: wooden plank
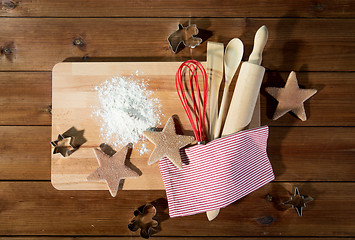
[(164, 238), (184, 8), (25, 153), (296, 154), (312, 153), (170, 237), (25, 98), (37, 237), (294, 43), (35, 208), (333, 104)]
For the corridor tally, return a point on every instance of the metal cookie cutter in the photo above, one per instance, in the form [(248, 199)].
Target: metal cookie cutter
[(64, 145), (298, 201), (144, 219), (68, 142), (184, 35)]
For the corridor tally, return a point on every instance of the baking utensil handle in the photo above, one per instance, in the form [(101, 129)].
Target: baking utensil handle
[(222, 113), (212, 214), (244, 98), (215, 54), (260, 40), (213, 109)]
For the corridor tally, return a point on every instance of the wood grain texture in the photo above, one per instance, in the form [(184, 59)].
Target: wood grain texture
[(210, 238), (165, 238), (25, 98), (296, 153), (166, 8), (312, 154), (25, 153), (294, 43), (75, 97), (332, 105), (35, 208), (37, 237)]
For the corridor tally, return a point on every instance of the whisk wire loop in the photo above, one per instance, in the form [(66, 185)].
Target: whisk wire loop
[(196, 111)]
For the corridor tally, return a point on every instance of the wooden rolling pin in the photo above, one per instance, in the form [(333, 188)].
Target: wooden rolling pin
[(247, 88)]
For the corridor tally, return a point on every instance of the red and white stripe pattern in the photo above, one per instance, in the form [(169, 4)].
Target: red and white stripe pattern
[(218, 173)]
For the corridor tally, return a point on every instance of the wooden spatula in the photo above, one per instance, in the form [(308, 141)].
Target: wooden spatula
[(232, 58), (215, 52)]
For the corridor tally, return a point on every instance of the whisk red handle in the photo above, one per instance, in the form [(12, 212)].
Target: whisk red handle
[(196, 111)]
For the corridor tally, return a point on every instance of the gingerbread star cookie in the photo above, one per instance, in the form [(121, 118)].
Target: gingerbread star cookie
[(112, 169), (167, 144), (291, 98)]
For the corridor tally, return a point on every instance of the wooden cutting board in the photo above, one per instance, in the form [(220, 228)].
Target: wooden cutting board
[(73, 100)]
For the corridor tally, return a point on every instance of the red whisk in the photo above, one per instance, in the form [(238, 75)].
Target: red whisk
[(198, 107)]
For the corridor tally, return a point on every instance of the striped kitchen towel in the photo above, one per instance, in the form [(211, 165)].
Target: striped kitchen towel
[(218, 173)]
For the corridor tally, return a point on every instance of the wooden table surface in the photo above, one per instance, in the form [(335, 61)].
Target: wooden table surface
[(314, 38)]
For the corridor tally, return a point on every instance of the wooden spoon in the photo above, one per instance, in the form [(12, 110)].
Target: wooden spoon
[(232, 58)]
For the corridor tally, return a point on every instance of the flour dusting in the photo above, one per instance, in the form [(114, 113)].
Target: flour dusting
[(126, 109)]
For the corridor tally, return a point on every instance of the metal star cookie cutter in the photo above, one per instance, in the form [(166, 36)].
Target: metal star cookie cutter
[(68, 142), (64, 145), (184, 35), (144, 219), (298, 201)]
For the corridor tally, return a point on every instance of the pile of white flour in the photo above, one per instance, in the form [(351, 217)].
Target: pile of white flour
[(126, 109)]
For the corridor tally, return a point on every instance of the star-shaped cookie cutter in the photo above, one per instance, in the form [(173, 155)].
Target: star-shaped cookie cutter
[(64, 145), (68, 142), (298, 201), (144, 219)]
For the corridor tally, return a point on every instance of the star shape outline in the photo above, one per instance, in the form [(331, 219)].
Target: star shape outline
[(169, 140), (291, 91), (112, 169), (298, 201), (64, 145)]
